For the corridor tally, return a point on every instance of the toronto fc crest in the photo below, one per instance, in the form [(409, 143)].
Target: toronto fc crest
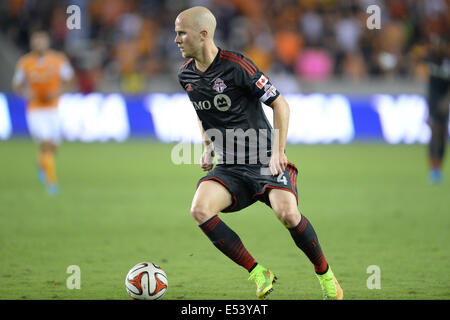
[(219, 85)]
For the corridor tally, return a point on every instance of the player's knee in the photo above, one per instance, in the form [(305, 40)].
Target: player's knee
[(289, 217), (47, 147), (438, 128), (201, 213)]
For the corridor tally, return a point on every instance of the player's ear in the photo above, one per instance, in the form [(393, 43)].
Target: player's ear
[(203, 34)]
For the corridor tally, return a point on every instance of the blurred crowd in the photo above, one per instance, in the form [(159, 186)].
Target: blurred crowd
[(130, 42)]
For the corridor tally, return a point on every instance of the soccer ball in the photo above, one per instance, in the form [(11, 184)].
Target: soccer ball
[(146, 281)]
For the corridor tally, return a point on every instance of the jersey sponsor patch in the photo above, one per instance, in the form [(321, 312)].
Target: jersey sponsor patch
[(261, 81), (222, 102)]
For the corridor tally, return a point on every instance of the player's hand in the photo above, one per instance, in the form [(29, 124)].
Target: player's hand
[(29, 94), (207, 159), (278, 163), (53, 95)]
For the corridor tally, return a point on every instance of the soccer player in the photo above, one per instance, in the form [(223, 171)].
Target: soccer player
[(41, 76), (226, 90), (438, 98)]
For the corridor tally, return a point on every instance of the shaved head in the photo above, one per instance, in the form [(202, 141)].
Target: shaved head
[(195, 35), (198, 19)]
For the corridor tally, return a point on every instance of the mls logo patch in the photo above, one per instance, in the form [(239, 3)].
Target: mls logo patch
[(219, 85)]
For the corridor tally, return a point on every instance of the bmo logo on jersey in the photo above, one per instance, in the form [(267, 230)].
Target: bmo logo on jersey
[(222, 102), (202, 105)]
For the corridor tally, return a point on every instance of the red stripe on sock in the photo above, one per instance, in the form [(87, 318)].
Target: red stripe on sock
[(241, 256), (320, 264), (301, 226), (214, 223), (210, 225)]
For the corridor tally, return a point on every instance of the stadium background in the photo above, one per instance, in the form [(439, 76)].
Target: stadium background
[(354, 94)]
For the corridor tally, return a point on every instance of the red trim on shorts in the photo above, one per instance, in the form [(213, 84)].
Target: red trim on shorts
[(291, 169), (230, 208), (293, 176)]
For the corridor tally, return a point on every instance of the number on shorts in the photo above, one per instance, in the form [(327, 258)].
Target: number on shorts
[(282, 178)]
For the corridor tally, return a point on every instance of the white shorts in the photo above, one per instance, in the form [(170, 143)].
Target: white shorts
[(44, 125)]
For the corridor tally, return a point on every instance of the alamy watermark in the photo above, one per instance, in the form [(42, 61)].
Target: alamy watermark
[(251, 147), (73, 21), (74, 280), (374, 280), (232, 146), (374, 20)]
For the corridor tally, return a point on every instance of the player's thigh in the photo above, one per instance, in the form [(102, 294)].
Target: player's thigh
[(44, 127), (210, 198), (284, 204), (48, 146)]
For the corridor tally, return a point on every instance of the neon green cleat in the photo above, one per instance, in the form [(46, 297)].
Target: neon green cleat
[(264, 279), (330, 286)]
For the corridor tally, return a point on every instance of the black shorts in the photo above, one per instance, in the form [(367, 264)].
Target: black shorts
[(250, 183), (438, 99)]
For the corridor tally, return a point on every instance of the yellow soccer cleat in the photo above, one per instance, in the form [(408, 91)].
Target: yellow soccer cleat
[(330, 286), (264, 279)]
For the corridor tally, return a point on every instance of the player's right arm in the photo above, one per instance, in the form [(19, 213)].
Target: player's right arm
[(66, 73), (278, 160), (19, 84), (207, 159)]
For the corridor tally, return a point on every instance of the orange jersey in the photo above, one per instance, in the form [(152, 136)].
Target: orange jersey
[(44, 76)]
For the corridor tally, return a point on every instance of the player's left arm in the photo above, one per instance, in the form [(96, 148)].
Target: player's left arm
[(253, 79), (66, 73), (281, 111)]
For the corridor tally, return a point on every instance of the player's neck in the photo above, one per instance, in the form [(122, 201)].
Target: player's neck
[(39, 53), (207, 56)]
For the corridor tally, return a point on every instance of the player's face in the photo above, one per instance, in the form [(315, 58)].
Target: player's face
[(186, 39), (39, 42)]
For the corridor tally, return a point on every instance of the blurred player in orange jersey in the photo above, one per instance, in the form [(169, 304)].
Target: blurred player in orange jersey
[(41, 76)]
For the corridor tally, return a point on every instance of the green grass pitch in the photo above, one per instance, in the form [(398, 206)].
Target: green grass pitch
[(123, 203)]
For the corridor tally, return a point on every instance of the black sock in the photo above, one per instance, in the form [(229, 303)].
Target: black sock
[(227, 241), (436, 146), (306, 239)]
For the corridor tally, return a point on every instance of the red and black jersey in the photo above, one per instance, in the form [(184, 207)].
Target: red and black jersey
[(227, 98)]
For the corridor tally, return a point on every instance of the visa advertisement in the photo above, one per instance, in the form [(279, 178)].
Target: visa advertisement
[(314, 118)]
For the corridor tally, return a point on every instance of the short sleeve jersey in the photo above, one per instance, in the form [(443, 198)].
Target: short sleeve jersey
[(44, 75), (227, 98)]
